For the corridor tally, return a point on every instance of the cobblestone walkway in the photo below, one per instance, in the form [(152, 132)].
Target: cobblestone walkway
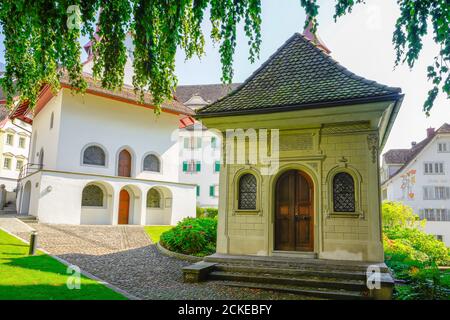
[(125, 257)]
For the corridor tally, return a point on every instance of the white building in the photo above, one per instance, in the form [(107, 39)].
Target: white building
[(201, 148), (14, 146), (420, 178), (103, 158)]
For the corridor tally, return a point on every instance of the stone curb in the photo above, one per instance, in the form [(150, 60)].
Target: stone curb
[(84, 273), (177, 255)]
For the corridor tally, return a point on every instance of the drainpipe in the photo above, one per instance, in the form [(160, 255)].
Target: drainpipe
[(20, 127)]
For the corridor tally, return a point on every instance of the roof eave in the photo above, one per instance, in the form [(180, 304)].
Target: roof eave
[(391, 120), (391, 97)]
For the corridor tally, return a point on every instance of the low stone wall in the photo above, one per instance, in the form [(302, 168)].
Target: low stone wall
[(177, 255)]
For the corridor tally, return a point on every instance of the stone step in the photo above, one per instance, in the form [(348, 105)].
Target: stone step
[(297, 263), (294, 280), (27, 218), (308, 272), (305, 291)]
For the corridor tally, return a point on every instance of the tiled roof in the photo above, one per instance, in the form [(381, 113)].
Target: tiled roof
[(394, 156), (209, 92), (299, 75), (127, 93), (3, 114)]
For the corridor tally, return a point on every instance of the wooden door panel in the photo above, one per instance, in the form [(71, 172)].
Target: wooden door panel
[(124, 207), (124, 165), (294, 212)]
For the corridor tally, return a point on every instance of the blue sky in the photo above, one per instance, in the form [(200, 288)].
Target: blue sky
[(361, 41)]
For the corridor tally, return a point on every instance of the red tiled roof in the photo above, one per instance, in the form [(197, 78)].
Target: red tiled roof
[(127, 95), (405, 156)]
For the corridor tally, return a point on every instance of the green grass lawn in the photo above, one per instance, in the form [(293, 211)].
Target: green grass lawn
[(41, 277), (154, 232)]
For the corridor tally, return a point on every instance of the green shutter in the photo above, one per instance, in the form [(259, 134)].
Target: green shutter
[(213, 142), (217, 166), (198, 191), (185, 166), (198, 167), (211, 191)]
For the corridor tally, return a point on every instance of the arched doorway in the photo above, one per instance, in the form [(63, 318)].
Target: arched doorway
[(124, 207), (26, 195), (294, 212), (159, 206), (124, 164)]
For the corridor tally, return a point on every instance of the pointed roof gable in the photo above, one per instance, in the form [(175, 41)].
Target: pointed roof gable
[(408, 155), (299, 75)]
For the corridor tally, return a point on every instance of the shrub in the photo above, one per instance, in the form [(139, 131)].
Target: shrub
[(211, 212), (396, 214), (207, 212), (192, 236), (414, 255), (417, 245), (199, 213)]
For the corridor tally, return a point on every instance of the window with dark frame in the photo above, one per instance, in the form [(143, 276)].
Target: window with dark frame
[(247, 192), (152, 163), (94, 155), (92, 196), (343, 192), (153, 199)]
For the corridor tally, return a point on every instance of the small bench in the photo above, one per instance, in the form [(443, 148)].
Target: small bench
[(197, 272)]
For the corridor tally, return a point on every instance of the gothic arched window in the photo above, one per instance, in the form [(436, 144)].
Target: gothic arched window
[(343, 192), (247, 192)]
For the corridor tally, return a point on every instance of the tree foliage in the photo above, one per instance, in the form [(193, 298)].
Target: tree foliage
[(40, 45), (396, 214)]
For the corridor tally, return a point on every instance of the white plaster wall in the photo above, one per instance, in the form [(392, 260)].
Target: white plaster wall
[(207, 156), (115, 125), (96, 216), (157, 216), (10, 184), (183, 202), (44, 137), (56, 198)]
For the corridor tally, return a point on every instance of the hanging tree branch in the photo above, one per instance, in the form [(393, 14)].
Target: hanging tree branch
[(41, 45)]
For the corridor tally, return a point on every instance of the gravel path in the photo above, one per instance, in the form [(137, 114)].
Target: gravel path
[(125, 257)]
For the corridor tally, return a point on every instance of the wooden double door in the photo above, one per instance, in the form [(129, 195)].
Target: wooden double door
[(294, 212)]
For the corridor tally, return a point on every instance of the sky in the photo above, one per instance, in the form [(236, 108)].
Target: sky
[(360, 41)]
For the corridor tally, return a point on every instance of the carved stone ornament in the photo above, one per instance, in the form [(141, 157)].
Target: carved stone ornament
[(372, 142)]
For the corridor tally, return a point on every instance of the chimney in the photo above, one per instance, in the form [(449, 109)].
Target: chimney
[(430, 132), (413, 144)]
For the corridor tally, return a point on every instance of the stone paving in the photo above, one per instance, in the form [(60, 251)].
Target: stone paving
[(125, 257), (11, 224)]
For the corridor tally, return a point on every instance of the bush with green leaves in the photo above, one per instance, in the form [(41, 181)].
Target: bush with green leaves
[(413, 255), (192, 236), (207, 212)]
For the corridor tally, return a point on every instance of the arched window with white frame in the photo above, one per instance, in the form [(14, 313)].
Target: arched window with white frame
[(92, 196), (152, 163), (94, 155)]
